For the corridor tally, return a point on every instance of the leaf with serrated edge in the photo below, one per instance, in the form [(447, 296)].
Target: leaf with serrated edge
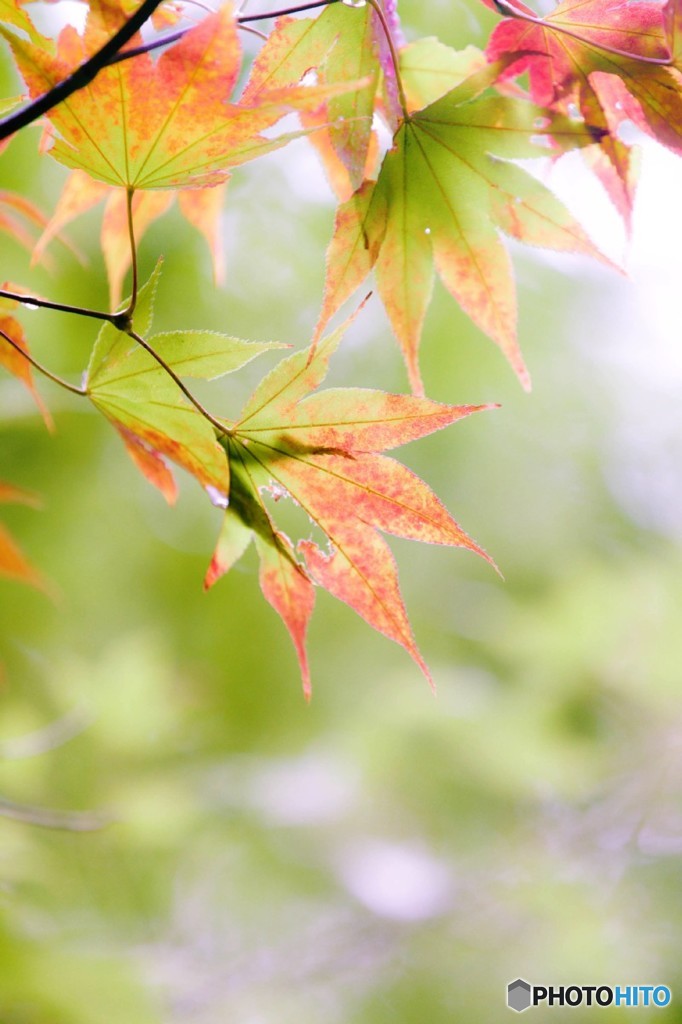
[(149, 124), (13, 563), (429, 69), (16, 364), (323, 450), (339, 44), (133, 390), (111, 344), (569, 72), (283, 580), (444, 193), (201, 354), (12, 14)]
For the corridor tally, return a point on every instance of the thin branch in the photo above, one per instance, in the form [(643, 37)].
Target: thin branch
[(155, 44), (81, 77), (220, 427), (42, 369), (110, 54), (285, 10), (51, 736), (31, 300), (242, 20), (508, 9), (253, 31), (68, 821)]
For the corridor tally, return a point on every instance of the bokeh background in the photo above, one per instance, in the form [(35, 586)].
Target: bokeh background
[(380, 855)]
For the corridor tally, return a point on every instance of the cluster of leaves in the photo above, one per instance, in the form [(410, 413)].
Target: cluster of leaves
[(137, 131)]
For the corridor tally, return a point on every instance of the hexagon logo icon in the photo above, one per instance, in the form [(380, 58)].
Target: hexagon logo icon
[(518, 995)]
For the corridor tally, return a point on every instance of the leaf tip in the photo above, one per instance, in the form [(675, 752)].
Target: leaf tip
[(213, 574)]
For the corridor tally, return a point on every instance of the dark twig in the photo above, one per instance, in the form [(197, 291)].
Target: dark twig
[(285, 10), (110, 53), (81, 77), (244, 19), (32, 300), (220, 427), (42, 369)]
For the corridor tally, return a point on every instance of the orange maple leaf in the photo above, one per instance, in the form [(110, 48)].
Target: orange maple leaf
[(324, 451), (145, 124)]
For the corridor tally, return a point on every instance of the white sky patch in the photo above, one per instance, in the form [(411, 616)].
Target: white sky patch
[(402, 881), (302, 791), (52, 18), (636, 344)]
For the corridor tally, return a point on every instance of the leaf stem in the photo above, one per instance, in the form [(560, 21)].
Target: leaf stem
[(82, 76), (506, 8), (222, 428), (133, 252), (42, 369), (394, 54), (253, 31), (122, 322), (32, 300)]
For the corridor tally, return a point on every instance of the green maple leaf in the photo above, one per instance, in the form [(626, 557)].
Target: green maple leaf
[(155, 420), (445, 191)]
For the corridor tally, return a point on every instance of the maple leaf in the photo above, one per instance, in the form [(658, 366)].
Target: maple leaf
[(155, 420), (324, 451), (11, 13), (339, 43), (148, 124), (201, 207), (13, 563), (16, 211), (444, 191), (429, 69), (611, 62), (13, 343)]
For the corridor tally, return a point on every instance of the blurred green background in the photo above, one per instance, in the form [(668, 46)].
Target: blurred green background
[(380, 855)]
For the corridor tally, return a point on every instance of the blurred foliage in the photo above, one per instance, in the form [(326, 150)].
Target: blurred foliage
[(380, 855)]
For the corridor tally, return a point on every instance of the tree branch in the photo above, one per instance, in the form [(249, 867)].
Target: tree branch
[(173, 37), (32, 300), (69, 821), (220, 427), (81, 77), (42, 369)]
